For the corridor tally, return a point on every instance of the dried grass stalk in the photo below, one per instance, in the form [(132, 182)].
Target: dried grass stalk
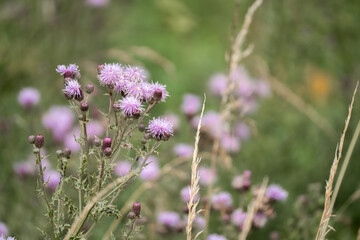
[(195, 178), (324, 227)]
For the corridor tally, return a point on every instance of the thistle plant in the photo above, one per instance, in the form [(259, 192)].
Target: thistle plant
[(131, 99)]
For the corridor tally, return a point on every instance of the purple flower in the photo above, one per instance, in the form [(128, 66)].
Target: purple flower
[(211, 122), (242, 182), (134, 74), (3, 229), (52, 178), (131, 106), (263, 89), (259, 220), (230, 143), (222, 200), (191, 104), (160, 129), (97, 3), (95, 128), (174, 120), (24, 169), (245, 88), (2, 237), (185, 194), (218, 84), (71, 69), (238, 218), (216, 237), (59, 120), (134, 89), (121, 86), (200, 222), (151, 171), (169, 219), (122, 168), (73, 89), (110, 74), (183, 150), (28, 97), (147, 93), (157, 88), (276, 193), (242, 131), (207, 176)]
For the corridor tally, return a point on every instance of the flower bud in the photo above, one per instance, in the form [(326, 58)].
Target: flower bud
[(89, 88), (31, 139), (141, 127), (136, 114), (131, 215), (80, 96), (97, 142), (84, 107), (100, 67), (39, 141), (157, 95), (107, 151), (136, 208), (106, 143), (77, 75), (116, 107), (67, 153)]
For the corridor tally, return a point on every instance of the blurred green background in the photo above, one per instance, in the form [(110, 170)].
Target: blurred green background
[(310, 46)]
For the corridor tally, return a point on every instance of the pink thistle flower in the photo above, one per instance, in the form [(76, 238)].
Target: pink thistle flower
[(147, 92), (211, 122), (3, 229), (218, 84), (134, 74), (200, 222), (238, 218), (207, 176), (131, 106), (24, 169), (134, 89), (242, 182), (185, 194), (52, 178), (121, 86), (221, 201), (68, 71), (191, 104), (242, 131), (230, 143), (110, 74), (276, 193), (183, 150), (160, 129), (28, 97), (73, 89), (174, 120), (169, 219), (259, 220), (122, 168), (151, 171), (157, 88), (59, 120), (216, 237)]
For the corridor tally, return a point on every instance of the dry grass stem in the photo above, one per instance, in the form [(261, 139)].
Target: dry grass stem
[(195, 178), (324, 227), (297, 101), (252, 209)]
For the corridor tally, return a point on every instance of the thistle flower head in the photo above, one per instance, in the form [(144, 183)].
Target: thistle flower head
[(28, 97), (134, 74), (218, 84), (159, 91), (207, 176), (259, 220), (73, 89), (52, 178), (3, 229), (238, 218), (230, 143), (122, 168), (151, 171), (160, 129), (131, 106), (185, 194), (169, 219), (68, 71), (110, 74), (221, 201), (134, 89), (216, 237), (191, 104), (183, 150), (121, 85), (147, 92), (2, 237), (276, 193)]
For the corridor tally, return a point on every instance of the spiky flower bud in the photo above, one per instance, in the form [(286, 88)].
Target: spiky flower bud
[(84, 107), (67, 153), (141, 127), (89, 88), (106, 143), (80, 96), (31, 139), (136, 208), (39, 141), (77, 75), (157, 95), (107, 151), (131, 215)]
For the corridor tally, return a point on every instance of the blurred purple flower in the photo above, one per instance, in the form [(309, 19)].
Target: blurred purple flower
[(263, 89), (130, 106), (3, 229), (211, 122), (259, 220), (185, 194), (242, 182), (207, 176), (276, 193), (122, 168), (191, 104), (230, 143), (183, 150), (243, 131), (169, 219), (160, 129), (52, 178), (70, 142), (28, 97), (238, 218), (72, 68), (200, 222), (222, 200), (59, 120), (216, 237), (110, 74), (24, 168), (218, 84), (97, 3), (250, 105), (151, 171)]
